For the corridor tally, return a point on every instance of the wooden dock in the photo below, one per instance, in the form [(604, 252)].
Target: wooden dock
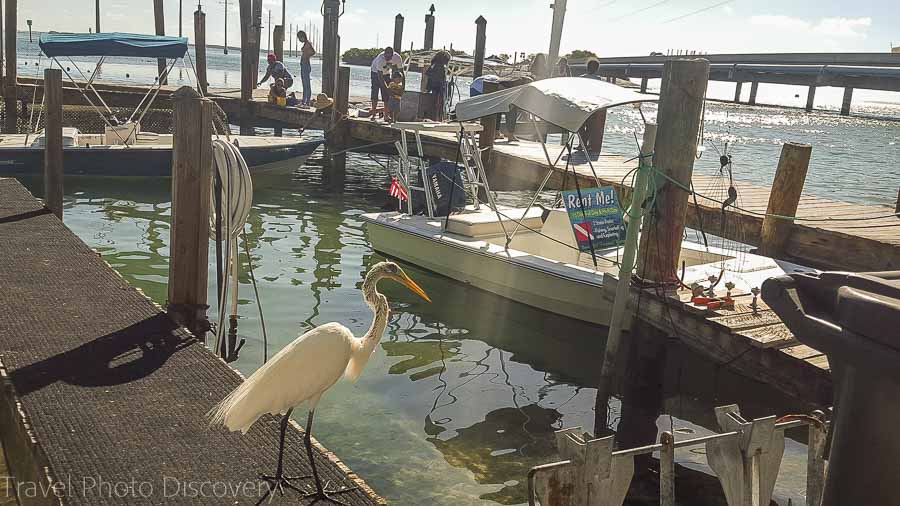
[(867, 245), (104, 398)]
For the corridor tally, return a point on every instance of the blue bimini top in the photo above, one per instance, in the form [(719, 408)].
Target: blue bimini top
[(113, 44)]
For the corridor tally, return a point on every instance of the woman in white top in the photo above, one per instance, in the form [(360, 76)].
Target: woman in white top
[(382, 66)]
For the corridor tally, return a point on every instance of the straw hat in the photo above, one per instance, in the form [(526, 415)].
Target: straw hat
[(322, 102)]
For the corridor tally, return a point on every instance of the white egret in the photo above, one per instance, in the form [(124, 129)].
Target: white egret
[(304, 370)]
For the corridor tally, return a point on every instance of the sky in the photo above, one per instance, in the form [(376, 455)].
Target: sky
[(607, 27)]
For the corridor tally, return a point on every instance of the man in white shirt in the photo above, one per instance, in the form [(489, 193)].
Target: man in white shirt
[(382, 66)]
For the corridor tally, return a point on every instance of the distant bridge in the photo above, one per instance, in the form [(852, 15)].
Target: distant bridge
[(872, 71)]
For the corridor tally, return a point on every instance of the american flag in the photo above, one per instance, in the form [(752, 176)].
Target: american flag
[(398, 191)]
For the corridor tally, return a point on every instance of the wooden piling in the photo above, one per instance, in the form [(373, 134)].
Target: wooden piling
[(191, 179), (488, 128), (255, 36), (429, 30), (398, 33), (810, 98), (594, 129), (667, 469), (10, 125), (737, 92), (248, 78), (53, 145), (338, 137), (754, 87), (848, 98), (679, 117), (559, 16), (160, 21), (97, 16), (278, 42), (480, 40), (330, 57), (200, 50), (784, 199)]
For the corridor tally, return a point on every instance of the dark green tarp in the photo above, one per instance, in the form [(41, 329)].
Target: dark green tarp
[(113, 44)]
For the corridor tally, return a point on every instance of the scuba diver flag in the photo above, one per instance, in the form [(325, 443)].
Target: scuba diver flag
[(398, 191)]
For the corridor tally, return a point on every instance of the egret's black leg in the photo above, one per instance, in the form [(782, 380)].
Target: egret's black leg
[(279, 481), (322, 493)]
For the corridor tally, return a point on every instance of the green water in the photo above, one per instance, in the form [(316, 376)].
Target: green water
[(461, 397)]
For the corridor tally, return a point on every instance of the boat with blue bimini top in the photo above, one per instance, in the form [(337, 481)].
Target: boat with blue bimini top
[(550, 257), (124, 149)]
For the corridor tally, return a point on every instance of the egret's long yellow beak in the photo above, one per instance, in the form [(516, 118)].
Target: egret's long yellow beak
[(409, 283)]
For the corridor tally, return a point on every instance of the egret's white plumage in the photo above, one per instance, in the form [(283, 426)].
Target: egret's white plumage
[(303, 370)]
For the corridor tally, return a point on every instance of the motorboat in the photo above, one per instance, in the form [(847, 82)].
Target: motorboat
[(532, 254), (123, 148)]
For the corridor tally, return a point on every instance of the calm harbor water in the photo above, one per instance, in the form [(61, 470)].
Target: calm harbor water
[(463, 395)]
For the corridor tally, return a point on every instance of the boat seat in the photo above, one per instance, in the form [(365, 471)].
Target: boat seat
[(485, 223)]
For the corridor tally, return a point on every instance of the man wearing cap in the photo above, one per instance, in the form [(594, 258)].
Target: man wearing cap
[(277, 70), (383, 65)]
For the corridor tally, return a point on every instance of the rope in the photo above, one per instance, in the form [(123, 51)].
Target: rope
[(262, 319), (690, 191)]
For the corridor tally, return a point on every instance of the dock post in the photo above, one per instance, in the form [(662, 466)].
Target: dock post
[(398, 33), (623, 288), (338, 137), (784, 199), (330, 57), (737, 92), (429, 29), (248, 77), (53, 145), (559, 17), (191, 179), (897, 208), (488, 129), (754, 87), (10, 114), (848, 98), (667, 469), (480, 40), (278, 42), (160, 21), (810, 98), (679, 118), (644, 81), (255, 37), (97, 16), (200, 50)]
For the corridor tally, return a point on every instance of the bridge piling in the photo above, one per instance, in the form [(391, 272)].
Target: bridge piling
[(810, 98), (848, 98), (754, 87), (644, 84), (737, 92)]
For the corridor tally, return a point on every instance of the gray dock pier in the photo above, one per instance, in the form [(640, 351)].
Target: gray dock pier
[(104, 398)]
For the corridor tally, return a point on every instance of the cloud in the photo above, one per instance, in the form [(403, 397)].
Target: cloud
[(829, 27)]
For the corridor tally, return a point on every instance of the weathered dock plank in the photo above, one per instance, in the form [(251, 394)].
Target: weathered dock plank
[(99, 386)]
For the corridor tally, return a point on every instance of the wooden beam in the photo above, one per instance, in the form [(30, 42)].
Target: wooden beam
[(53, 143), (248, 77), (398, 33), (200, 50), (160, 22), (330, 45), (10, 125), (191, 179), (680, 108), (784, 198), (480, 40)]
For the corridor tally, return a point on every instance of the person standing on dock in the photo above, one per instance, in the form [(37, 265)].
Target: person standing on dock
[(306, 53), (593, 67), (277, 70), (383, 65), (437, 83)]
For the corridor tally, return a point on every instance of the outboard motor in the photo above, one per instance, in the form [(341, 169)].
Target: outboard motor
[(441, 176), (855, 320)]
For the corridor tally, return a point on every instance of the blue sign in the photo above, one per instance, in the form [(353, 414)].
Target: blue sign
[(596, 217)]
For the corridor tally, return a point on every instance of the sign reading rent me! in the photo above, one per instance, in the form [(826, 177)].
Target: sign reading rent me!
[(596, 217)]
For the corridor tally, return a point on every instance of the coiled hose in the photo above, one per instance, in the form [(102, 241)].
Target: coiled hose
[(236, 197)]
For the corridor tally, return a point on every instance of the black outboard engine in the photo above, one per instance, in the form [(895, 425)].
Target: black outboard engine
[(855, 320), (441, 176)]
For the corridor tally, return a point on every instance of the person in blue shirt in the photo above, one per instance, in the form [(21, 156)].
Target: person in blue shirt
[(277, 70)]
